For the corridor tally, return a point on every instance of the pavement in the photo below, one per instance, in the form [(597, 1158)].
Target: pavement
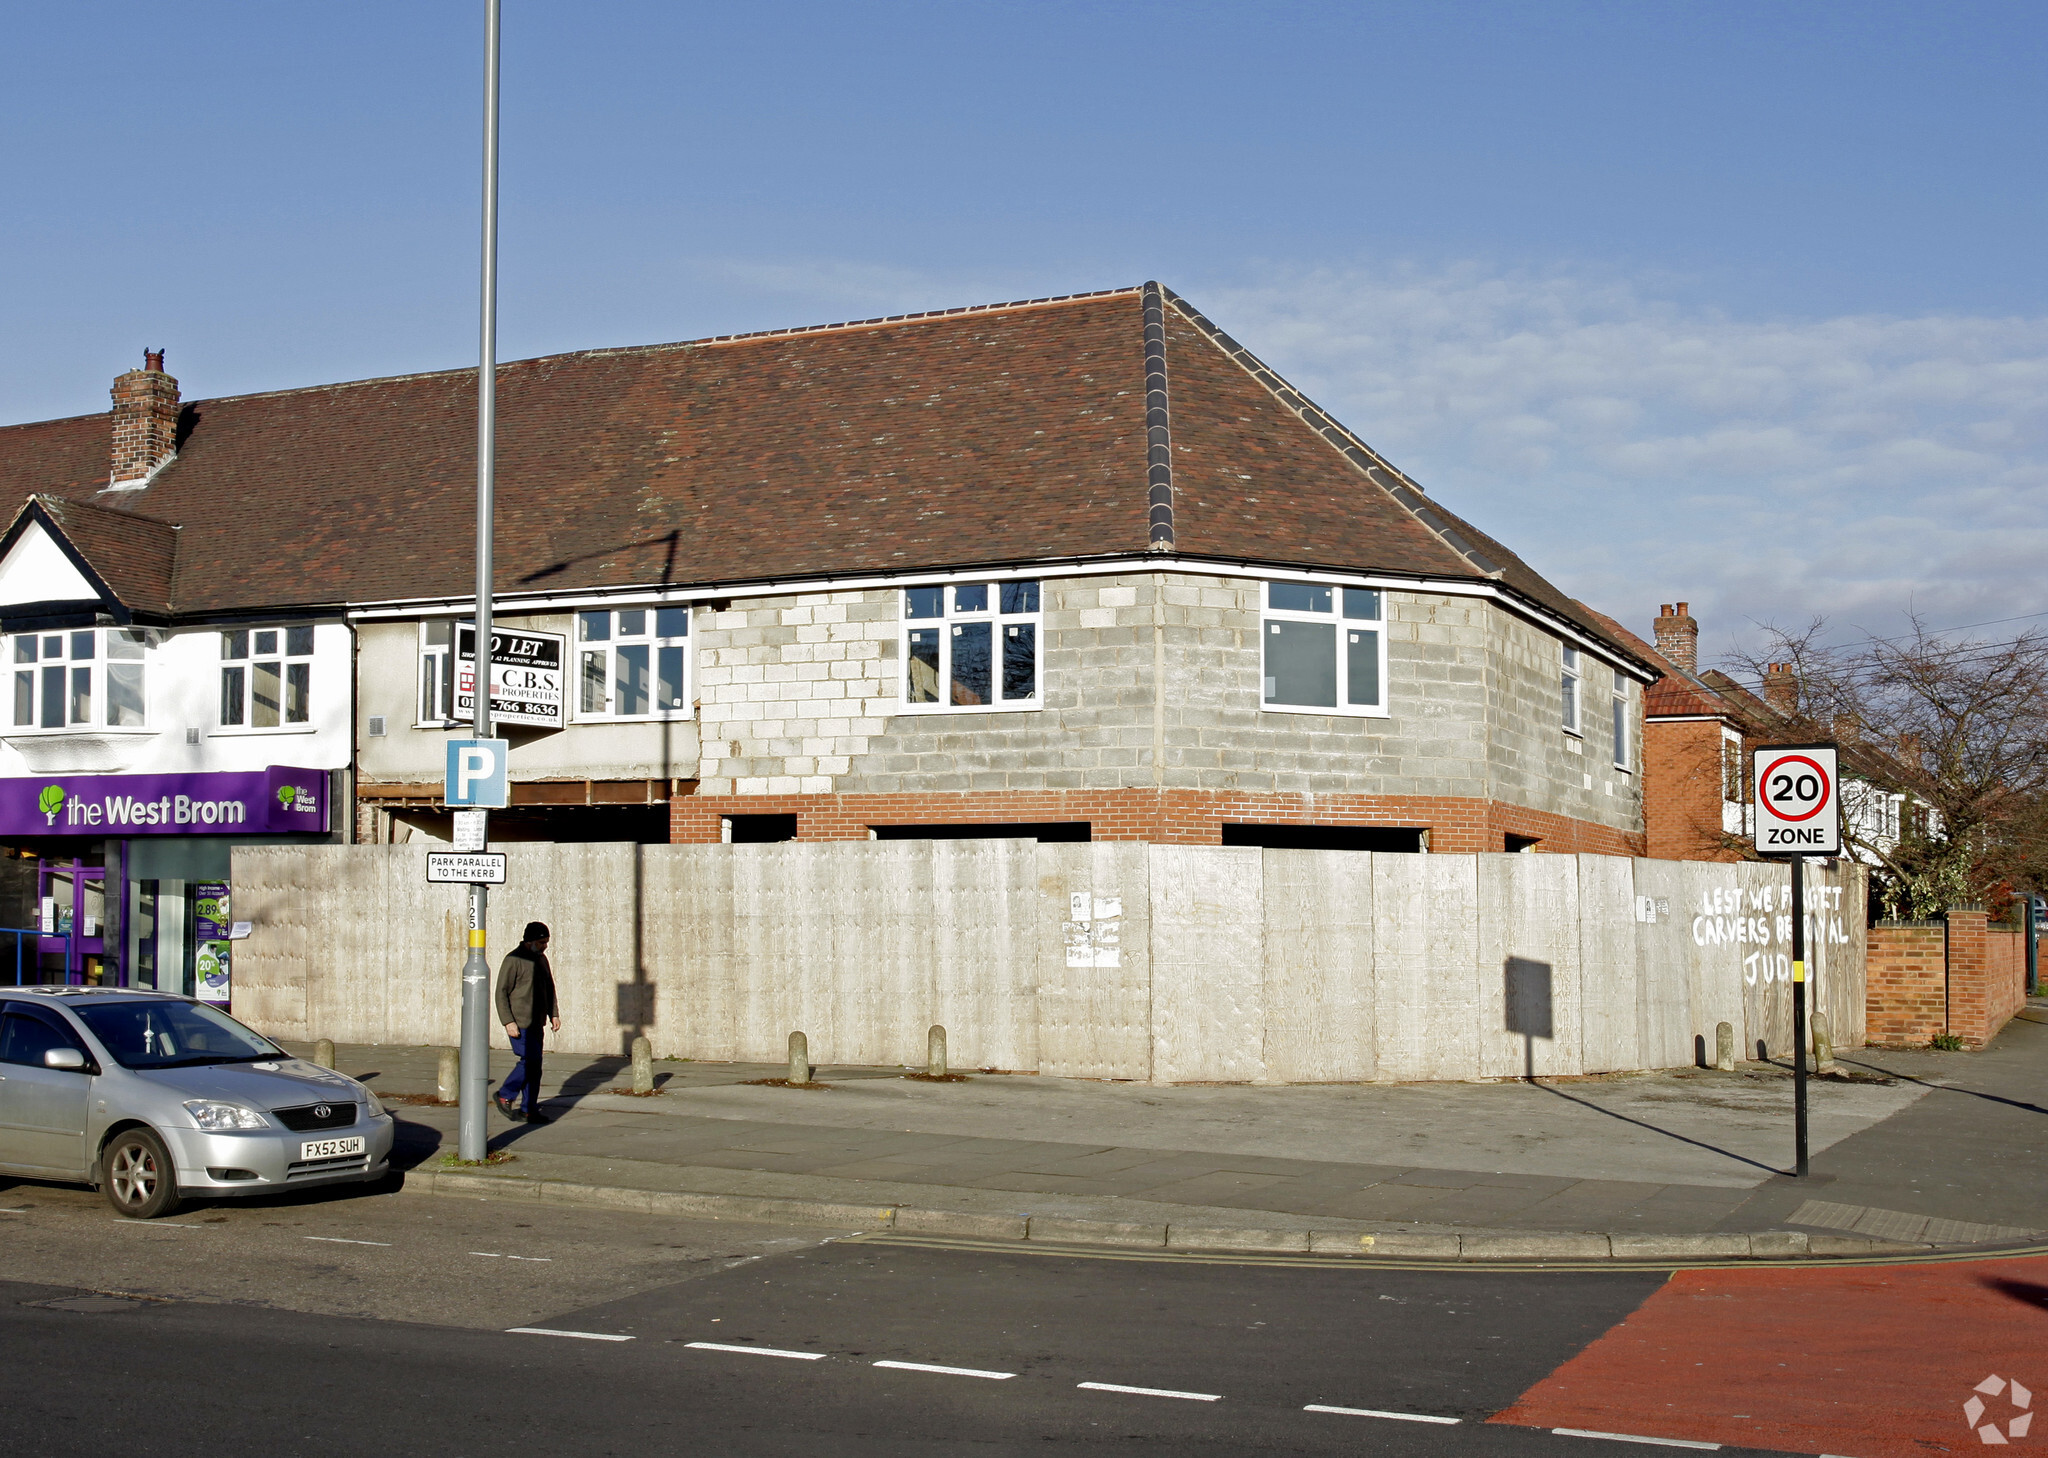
[(1910, 1150)]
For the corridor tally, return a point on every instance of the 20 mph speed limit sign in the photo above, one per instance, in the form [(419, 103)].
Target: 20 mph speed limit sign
[(1798, 801)]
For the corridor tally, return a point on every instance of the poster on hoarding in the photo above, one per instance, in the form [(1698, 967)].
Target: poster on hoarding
[(211, 929)]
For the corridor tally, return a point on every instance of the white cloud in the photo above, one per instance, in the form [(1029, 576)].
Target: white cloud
[(1638, 450)]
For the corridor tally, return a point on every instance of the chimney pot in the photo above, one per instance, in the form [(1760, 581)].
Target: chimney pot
[(1781, 688), (1678, 639), (145, 422)]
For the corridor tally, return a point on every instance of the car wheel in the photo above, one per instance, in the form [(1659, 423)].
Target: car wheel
[(137, 1176)]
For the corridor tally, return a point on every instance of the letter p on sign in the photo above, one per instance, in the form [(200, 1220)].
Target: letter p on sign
[(476, 774)]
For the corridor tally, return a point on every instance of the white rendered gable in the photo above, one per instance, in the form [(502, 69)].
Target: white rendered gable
[(36, 569)]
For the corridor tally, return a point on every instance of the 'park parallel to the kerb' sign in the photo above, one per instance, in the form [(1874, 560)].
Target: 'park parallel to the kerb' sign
[(280, 799)]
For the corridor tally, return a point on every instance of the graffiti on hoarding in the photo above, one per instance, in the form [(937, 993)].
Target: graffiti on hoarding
[(1762, 917)]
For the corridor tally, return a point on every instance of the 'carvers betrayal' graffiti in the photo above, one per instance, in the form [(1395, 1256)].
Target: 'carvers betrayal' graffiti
[(1763, 918)]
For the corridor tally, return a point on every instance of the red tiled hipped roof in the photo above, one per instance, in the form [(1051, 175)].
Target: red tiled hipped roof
[(1001, 434)]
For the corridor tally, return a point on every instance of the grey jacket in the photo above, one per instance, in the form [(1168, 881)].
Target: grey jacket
[(526, 987)]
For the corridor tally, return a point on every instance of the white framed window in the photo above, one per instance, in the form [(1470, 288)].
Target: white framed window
[(1570, 681), (1323, 649), (437, 671), (633, 663), (1622, 760), (266, 677), (972, 646), (80, 677)]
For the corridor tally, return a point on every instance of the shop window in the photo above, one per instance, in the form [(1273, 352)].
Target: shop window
[(266, 677), (633, 663), (1324, 649), (972, 646), (87, 676)]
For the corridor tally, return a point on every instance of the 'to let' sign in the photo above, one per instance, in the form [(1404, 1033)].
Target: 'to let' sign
[(1798, 801)]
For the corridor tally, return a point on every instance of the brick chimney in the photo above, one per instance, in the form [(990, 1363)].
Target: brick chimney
[(1678, 638), (1781, 688), (145, 422)]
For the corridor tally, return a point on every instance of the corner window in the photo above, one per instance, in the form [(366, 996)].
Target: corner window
[(1621, 724), (80, 678), (972, 645), (266, 677), (633, 663), (1323, 648), (1570, 679)]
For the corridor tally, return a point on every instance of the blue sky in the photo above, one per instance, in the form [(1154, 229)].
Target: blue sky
[(1730, 302)]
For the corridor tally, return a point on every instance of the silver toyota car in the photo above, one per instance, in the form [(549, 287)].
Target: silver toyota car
[(152, 1098)]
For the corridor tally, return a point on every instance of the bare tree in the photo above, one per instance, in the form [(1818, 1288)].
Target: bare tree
[(1959, 726)]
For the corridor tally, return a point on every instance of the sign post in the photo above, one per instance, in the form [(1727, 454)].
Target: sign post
[(471, 1141), (1798, 814)]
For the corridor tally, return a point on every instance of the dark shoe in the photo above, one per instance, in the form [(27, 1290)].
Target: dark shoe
[(507, 1109), (537, 1117)]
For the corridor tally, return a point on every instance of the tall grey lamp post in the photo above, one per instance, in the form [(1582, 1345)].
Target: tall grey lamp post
[(471, 1142)]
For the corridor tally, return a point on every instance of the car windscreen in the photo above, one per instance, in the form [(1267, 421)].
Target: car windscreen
[(173, 1035)]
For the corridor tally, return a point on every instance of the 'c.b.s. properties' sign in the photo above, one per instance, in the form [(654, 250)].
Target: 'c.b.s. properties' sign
[(265, 802), (527, 681)]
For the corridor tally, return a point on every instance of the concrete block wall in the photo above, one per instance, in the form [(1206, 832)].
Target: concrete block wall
[(1151, 684), (1157, 963)]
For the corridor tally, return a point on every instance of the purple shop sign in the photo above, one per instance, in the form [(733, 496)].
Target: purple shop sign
[(236, 802)]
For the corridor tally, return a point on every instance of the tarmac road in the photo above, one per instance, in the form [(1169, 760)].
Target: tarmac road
[(379, 1324)]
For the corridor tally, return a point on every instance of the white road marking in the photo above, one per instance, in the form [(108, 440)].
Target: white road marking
[(157, 1224), (948, 1371), (528, 1258), (757, 1351), (15, 1210), (1635, 1438), (339, 1240), (1404, 1417), (588, 1336), (1151, 1391)]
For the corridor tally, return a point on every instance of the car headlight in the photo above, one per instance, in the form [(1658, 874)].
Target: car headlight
[(373, 1107), (220, 1118)]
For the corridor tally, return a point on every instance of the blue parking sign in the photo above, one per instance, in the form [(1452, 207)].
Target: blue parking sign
[(477, 773)]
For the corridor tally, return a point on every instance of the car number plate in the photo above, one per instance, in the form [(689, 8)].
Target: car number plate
[(330, 1148)]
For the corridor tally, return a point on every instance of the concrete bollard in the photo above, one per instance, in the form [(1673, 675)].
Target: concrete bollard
[(323, 1052), (935, 1052), (799, 1058), (1724, 1047), (448, 1077), (1823, 1044), (643, 1066)]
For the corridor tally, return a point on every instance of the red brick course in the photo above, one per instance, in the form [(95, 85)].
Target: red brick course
[(1924, 978), (1173, 817), (1682, 796)]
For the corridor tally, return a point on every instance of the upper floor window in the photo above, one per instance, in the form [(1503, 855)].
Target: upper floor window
[(437, 671), (971, 645), (1570, 680), (87, 676), (266, 677), (633, 663), (1621, 723), (1324, 648)]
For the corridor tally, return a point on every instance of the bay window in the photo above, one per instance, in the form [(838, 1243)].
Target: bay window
[(1323, 649), (82, 677)]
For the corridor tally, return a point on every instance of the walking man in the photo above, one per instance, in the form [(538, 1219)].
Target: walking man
[(526, 1005)]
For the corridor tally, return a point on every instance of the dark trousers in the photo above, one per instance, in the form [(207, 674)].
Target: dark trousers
[(524, 1079)]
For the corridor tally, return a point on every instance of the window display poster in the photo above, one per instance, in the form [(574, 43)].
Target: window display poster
[(211, 928)]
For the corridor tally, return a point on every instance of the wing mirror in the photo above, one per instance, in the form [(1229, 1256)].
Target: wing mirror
[(64, 1058)]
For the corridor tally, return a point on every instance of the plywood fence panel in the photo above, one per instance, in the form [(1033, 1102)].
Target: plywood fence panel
[(1208, 964), (1319, 967), (1610, 974), (1094, 961)]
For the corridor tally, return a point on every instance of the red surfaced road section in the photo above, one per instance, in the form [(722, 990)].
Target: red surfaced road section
[(1871, 1362)]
